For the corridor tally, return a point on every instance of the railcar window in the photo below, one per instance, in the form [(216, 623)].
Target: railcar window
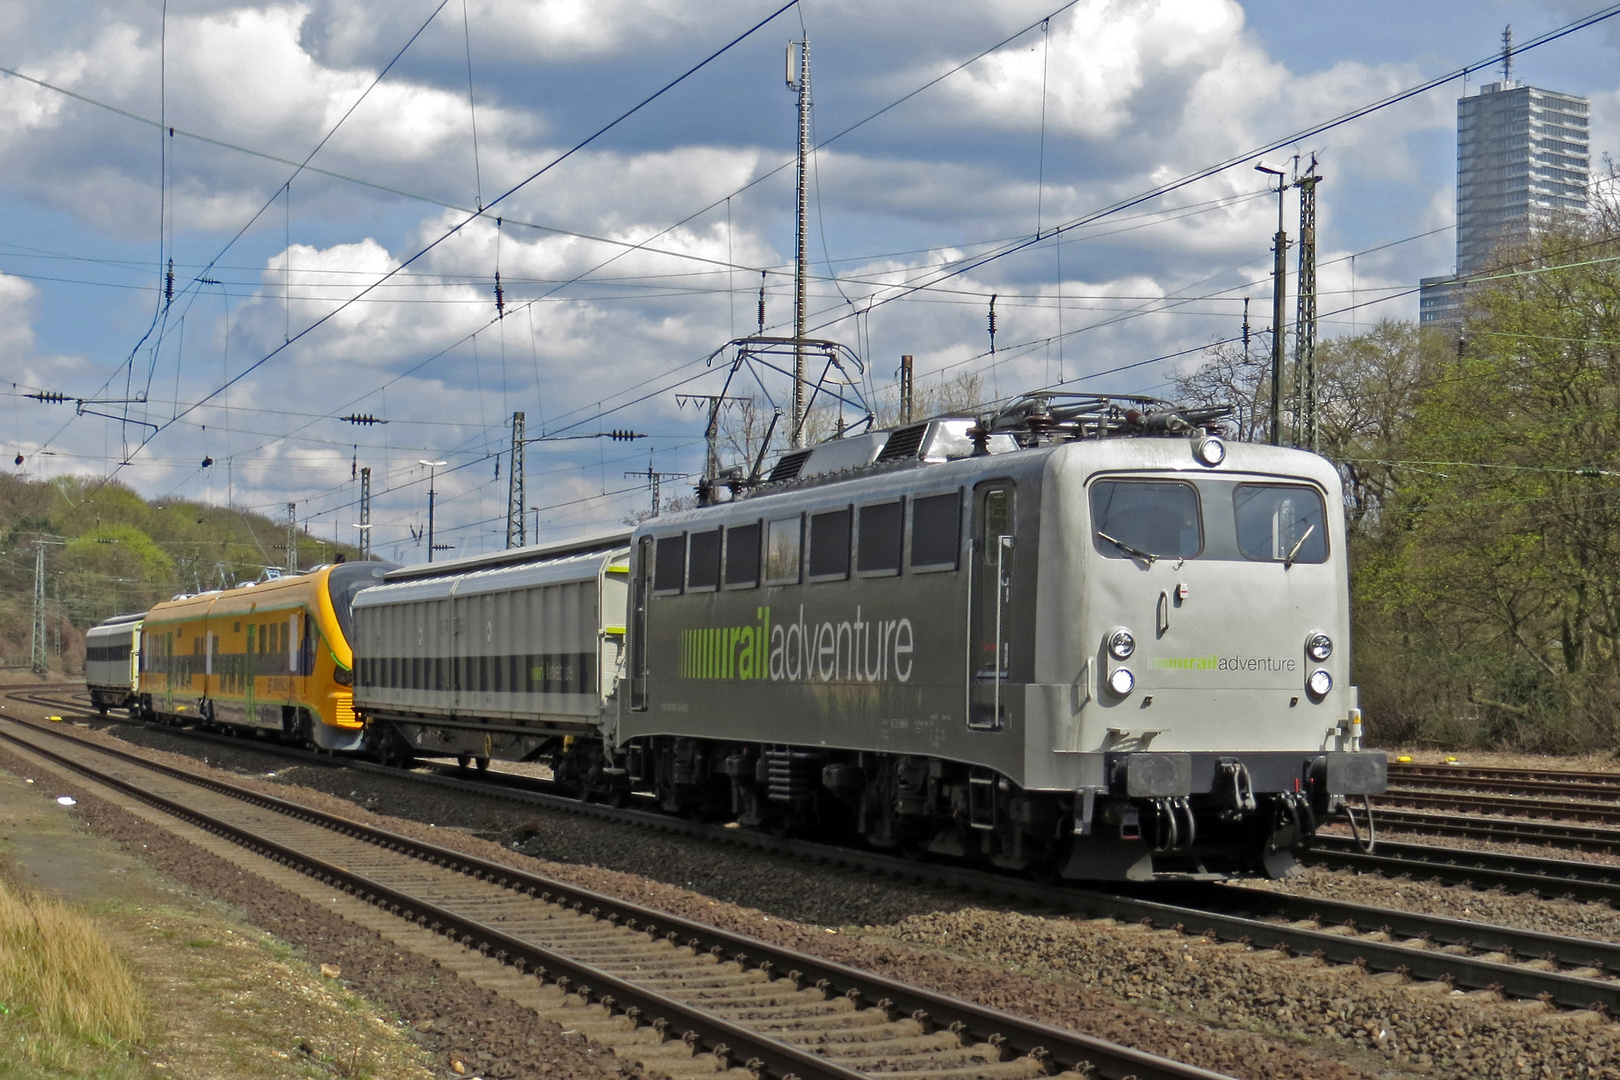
[(783, 541), (881, 532), (829, 544), (1280, 522), (936, 531), (1133, 519), (671, 564), (742, 555), (703, 566)]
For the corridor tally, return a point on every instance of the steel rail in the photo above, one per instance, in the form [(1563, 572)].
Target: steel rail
[(1606, 793), (1411, 771), (1513, 830), (1602, 813), (1057, 1047), (1435, 929), (1574, 991), (1482, 869)]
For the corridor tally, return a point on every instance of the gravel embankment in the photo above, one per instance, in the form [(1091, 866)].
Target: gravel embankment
[(1253, 1014)]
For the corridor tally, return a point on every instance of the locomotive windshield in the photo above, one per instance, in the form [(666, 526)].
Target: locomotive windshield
[(1153, 519), (1280, 523), (345, 582)]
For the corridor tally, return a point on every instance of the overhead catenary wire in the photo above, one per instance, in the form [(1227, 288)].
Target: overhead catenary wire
[(1271, 146), (421, 252), (829, 263)]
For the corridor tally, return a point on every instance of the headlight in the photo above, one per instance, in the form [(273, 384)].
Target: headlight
[(1122, 682), (1121, 644), (1210, 450), (1319, 683), (1318, 646)]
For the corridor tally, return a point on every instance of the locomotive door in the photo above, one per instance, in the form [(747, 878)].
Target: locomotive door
[(641, 592), (990, 566)]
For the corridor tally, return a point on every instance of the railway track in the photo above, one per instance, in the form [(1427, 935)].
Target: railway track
[(1557, 878), (682, 985), (1430, 948), (1504, 805), (1594, 838), (1492, 778)]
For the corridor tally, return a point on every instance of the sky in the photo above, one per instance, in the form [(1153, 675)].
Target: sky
[(338, 183)]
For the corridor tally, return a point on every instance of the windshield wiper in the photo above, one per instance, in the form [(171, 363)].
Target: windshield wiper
[(1147, 557), (1293, 551)]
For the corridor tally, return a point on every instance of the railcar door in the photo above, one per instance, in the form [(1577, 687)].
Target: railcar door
[(641, 593), (990, 568)]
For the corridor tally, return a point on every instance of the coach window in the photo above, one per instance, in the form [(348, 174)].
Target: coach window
[(829, 545), (783, 539), (879, 533), (742, 556), (671, 564), (936, 532), (703, 561), (1146, 519), (1280, 523)]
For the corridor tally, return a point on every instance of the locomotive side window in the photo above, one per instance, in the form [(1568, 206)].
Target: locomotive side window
[(1143, 519), (671, 564), (879, 544), (742, 556), (703, 566), (829, 545), (1280, 523), (936, 531), (784, 537)]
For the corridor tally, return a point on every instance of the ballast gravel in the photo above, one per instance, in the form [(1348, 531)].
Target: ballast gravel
[(1251, 1014)]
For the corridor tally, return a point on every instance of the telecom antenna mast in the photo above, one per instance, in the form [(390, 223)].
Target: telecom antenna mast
[(800, 81), (514, 486)]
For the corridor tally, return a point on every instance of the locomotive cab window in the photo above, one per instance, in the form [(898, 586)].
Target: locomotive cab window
[(1280, 523), (880, 532), (671, 564), (703, 565), (936, 532), (742, 556), (829, 545), (1146, 519), (784, 537)]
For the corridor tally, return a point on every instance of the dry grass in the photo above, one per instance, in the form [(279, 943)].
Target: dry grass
[(69, 1003)]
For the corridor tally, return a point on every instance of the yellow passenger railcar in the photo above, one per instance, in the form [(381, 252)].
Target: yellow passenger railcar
[(270, 655)]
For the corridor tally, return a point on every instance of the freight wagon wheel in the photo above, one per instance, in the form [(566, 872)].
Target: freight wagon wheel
[(463, 761), (482, 763)]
